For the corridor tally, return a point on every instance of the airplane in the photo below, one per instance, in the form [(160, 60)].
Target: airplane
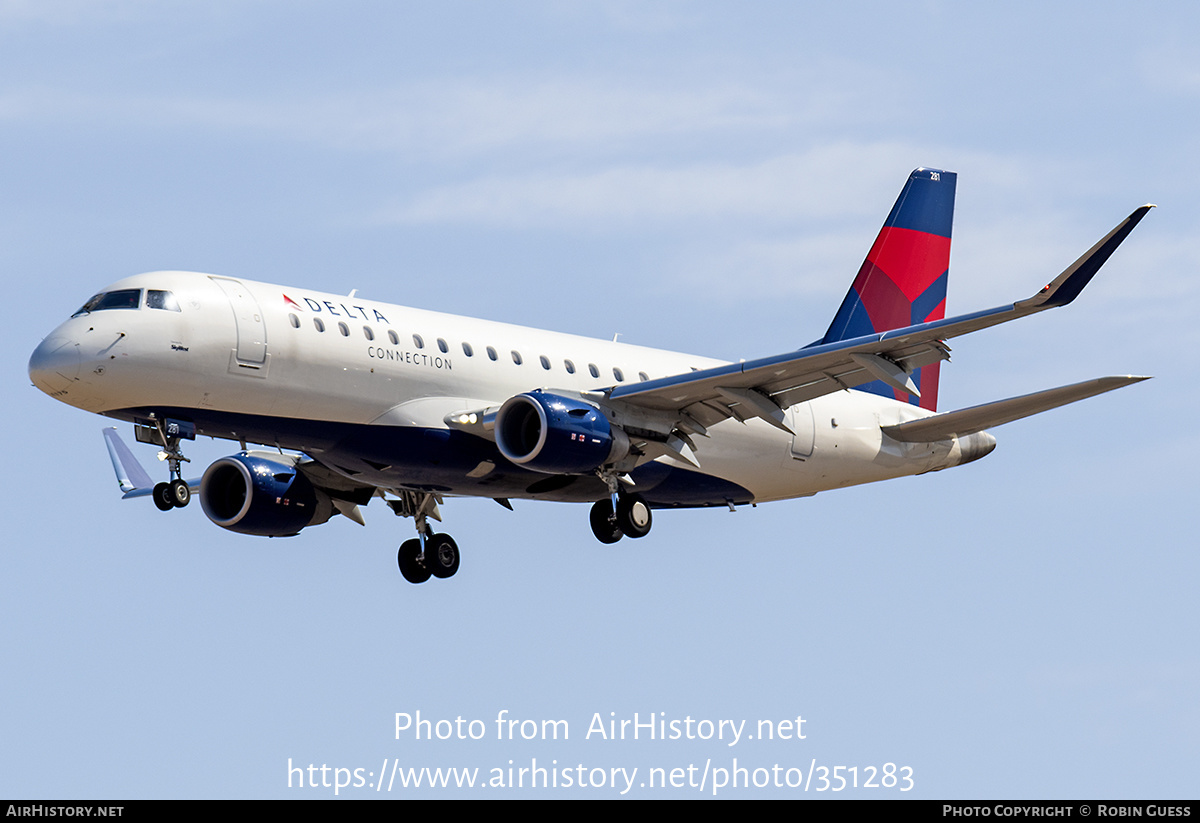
[(361, 399)]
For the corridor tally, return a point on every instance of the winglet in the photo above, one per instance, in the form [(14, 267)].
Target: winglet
[(131, 477), (1067, 286)]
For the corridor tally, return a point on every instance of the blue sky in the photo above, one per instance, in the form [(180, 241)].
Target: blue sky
[(695, 176)]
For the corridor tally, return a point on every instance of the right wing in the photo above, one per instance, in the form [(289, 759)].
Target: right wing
[(764, 387)]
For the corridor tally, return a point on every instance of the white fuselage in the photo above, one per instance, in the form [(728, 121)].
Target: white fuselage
[(237, 350)]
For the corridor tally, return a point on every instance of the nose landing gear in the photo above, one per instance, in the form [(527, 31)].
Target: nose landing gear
[(174, 494)]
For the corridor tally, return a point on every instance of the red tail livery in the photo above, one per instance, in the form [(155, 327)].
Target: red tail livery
[(903, 280)]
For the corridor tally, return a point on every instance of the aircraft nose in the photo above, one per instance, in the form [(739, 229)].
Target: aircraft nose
[(54, 365)]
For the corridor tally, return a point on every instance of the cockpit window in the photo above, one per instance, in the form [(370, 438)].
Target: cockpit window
[(122, 299), (156, 299)]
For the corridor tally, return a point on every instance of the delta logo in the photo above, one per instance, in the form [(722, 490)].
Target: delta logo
[(339, 310)]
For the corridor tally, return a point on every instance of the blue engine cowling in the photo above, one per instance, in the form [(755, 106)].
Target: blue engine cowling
[(557, 435), (250, 494)]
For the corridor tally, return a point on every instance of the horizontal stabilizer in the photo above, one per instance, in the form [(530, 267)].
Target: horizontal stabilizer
[(977, 418)]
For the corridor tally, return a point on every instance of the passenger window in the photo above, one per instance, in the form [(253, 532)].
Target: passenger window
[(618, 374), (156, 299), (367, 333), (517, 357), (344, 329), (467, 350), (643, 376), (594, 371), (569, 366), (491, 353), (442, 345), (418, 342), (318, 324), (294, 320), (545, 362), (395, 338)]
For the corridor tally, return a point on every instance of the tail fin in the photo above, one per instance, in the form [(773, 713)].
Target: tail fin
[(903, 280)]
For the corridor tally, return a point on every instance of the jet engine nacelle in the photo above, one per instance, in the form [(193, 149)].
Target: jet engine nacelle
[(253, 494), (557, 435)]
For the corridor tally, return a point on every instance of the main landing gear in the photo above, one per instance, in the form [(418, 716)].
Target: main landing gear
[(439, 558), (429, 554), (621, 514)]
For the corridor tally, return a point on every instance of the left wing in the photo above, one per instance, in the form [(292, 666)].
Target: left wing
[(131, 477), (344, 494), (763, 388)]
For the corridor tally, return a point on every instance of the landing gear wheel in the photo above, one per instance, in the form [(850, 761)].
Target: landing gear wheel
[(181, 495), (441, 555), (163, 497), (603, 525), (633, 515), (410, 565)]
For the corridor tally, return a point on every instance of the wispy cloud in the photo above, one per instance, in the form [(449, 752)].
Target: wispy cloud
[(581, 115), (75, 12), (827, 181), (1172, 68), (436, 117)]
